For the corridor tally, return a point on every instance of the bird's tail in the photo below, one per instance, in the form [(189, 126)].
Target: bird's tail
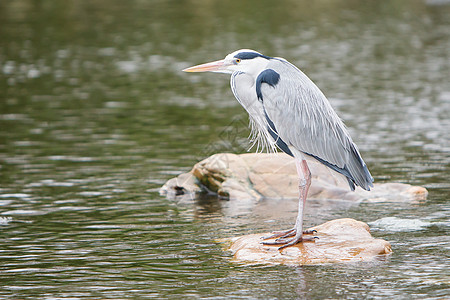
[(358, 171)]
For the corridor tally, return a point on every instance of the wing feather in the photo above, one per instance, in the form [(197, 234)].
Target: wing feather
[(305, 120)]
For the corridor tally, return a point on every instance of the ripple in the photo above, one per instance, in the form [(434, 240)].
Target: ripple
[(398, 224), (23, 212), (17, 195), (50, 182), (91, 193), (15, 117), (70, 158), (5, 220)]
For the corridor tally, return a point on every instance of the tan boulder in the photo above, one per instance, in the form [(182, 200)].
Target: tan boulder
[(341, 240), (261, 175)]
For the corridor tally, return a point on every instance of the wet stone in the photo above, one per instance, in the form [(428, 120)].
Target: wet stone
[(340, 241), (261, 175)]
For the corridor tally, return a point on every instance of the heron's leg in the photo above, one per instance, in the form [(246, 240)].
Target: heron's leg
[(297, 232)]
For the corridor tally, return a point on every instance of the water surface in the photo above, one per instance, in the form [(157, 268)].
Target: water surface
[(95, 116)]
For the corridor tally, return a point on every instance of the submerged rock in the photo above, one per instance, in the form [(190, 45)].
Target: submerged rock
[(341, 240), (261, 175)]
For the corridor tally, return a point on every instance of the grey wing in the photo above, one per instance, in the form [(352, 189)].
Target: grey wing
[(304, 119)]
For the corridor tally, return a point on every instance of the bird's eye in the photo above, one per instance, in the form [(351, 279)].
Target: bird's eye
[(238, 60)]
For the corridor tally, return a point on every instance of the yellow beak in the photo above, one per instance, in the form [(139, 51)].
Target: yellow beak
[(208, 67)]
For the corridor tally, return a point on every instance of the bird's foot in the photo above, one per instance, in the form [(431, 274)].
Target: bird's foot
[(286, 233), (288, 238), (290, 242)]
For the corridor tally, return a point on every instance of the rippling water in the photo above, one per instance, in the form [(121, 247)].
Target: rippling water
[(95, 116)]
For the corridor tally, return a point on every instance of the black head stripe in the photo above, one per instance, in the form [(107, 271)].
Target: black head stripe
[(250, 55)]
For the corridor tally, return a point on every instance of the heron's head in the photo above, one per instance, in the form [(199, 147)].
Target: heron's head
[(244, 60)]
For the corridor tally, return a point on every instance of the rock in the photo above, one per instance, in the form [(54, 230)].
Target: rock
[(184, 185), (261, 175), (341, 240)]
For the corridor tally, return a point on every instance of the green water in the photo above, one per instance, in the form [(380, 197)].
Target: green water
[(95, 116)]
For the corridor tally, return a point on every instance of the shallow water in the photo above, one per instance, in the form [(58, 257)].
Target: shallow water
[(95, 116)]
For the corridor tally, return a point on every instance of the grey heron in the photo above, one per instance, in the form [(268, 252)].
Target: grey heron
[(287, 110)]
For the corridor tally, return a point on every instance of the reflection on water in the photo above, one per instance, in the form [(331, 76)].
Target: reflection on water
[(95, 116)]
